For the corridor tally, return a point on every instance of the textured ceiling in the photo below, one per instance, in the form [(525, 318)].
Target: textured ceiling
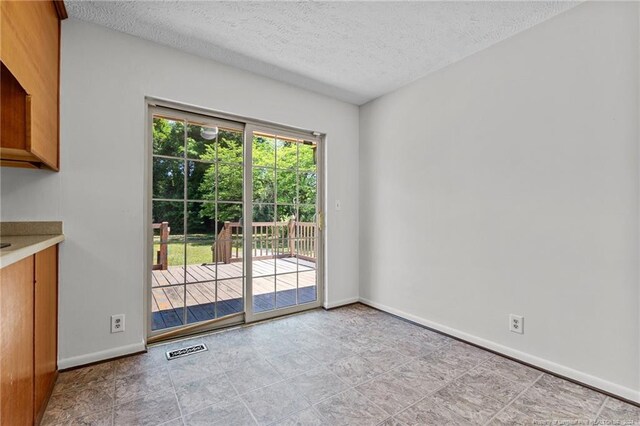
[(354, 51)]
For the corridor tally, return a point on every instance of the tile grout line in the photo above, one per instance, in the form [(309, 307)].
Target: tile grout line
[(447, 383), (175, 394), (293, 413), (514, 399), (604, 402), (320, 366), (323, 365), (244, 403), (498, 356), (239, 395), (115, 378), (409, 359)]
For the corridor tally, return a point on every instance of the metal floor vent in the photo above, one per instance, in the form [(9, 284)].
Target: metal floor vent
[(189, 350)]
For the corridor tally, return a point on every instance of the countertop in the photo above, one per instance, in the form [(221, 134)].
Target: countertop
[(27, 238)]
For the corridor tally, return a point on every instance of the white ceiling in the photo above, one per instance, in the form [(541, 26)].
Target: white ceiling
[(352, 50)]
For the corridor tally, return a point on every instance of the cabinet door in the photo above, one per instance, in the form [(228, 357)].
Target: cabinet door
[(16, 343), (30, 49), (46, 326)]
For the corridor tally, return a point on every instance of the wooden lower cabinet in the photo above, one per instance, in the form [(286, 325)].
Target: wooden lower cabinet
[(28, 337), (45, 328), (16, 343)]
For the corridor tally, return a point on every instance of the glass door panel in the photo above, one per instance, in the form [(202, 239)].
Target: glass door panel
[(235, 222), (284, 222), (197, 199)]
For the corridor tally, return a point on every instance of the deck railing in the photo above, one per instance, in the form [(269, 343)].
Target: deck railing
[(304, 240), (270, 239), (162, 257)]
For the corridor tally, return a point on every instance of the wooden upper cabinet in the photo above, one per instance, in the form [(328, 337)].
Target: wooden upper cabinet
[(30, 57)]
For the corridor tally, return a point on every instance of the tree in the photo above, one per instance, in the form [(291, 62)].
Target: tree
[(283, 172)]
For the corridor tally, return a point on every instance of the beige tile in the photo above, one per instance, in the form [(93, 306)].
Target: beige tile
[(428, 412), (307, 417), (350, 408), (541, 406), (457, 361), (435, 366), (492, 384), (280, 369), (422, 381), (107, 386), (382, 357), (394, 391), (224, 340), (333, 328), (229, 413), (152, 409), (354, 369), (512, 370), (511, 416), (437, 339), (413, 341), (102, 418), (253, 375), (104, 371), (276, 346), (135, 386), (151, 360), (174, 422), (209, 390), (467, 403), (77, 402), (237, 357), (359, 341), (274, 402), (328, 350), (293, 363), (565, 397), (317, 384), (617, 411), (193, 367), (468, 353), (392, 421)]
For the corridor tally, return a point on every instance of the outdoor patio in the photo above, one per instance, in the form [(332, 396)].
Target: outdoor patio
[(277, 283)]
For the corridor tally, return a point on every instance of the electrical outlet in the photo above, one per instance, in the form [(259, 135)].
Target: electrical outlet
[(516, 324), (117, 323)]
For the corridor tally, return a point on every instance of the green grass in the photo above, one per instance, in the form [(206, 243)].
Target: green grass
[(198, 250)]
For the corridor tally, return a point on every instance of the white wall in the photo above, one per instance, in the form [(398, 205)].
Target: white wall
[(99, 191), (508, 183)]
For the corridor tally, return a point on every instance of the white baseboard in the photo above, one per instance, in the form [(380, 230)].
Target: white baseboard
[(331, 305), (562, 370), (76, 361)]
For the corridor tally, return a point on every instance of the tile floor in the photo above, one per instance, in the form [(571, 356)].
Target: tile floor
[(348, 366)]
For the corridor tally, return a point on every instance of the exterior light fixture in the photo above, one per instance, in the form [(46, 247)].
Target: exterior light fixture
[(208, 133)]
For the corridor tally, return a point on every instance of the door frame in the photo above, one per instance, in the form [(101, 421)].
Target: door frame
[(153, 104), (318, 138)]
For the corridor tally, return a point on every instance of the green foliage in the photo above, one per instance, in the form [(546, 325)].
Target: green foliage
[(214, 172)]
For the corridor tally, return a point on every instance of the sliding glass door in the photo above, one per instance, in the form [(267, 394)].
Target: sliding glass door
[(235, 217), (285, 244), (197, 193)]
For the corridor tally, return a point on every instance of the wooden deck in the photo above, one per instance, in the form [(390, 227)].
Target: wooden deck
[(277, 283)]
